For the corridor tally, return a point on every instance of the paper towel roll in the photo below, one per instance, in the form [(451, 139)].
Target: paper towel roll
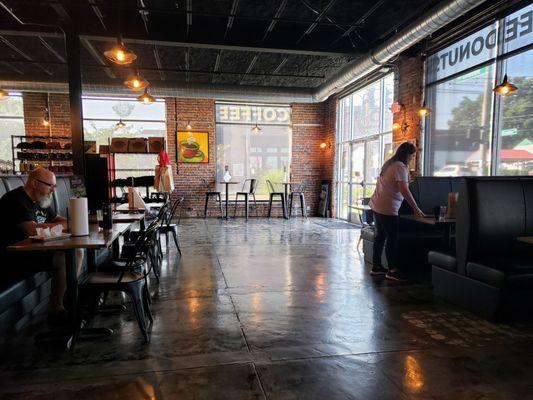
[(79, 217)]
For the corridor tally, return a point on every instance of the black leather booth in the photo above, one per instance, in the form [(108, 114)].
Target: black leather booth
[(416, 239), (22, 298), (491, 272)]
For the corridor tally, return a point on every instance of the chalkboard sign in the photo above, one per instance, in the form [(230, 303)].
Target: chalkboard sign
[(323, 204)]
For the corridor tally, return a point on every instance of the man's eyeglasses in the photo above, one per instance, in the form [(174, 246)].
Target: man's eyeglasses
[(50, 185)]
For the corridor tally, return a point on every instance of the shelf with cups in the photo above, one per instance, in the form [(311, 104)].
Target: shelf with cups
[(52, 152)]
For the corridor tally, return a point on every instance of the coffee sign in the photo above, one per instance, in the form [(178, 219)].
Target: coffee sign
[(251, 114), (515, 32)]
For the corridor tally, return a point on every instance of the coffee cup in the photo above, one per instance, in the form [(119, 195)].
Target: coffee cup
[(189, 149)]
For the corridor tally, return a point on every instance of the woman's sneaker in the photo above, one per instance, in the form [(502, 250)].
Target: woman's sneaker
[(378, 270), (396, 276)]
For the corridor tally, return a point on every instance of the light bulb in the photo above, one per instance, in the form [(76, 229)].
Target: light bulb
[(323, 146), (120, 55), (396, 126), (46, 122)]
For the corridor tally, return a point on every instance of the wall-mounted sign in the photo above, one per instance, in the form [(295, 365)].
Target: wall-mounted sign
[(251, 114)]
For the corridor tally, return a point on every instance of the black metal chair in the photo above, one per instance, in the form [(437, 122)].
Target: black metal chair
[(168, 226), (366, 217), (299, 192), (210, 193), (272, 195), (131, 279), (248, 189)]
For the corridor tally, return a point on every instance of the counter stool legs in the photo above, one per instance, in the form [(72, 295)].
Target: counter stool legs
[(302, 204), (245, 201), (217, 198)]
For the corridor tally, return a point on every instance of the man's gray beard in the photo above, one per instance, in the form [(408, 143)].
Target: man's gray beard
[(45, 201)]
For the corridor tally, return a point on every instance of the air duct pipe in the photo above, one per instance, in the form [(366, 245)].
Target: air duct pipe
[(437, 18)]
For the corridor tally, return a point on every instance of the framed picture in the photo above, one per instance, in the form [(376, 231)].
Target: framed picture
[(193, 147)]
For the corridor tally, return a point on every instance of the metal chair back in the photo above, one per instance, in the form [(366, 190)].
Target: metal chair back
[(270, 186)]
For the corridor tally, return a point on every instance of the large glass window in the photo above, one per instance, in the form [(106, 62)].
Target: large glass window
[(262, 153), (364, 141), (100, 116), (11, 123), (473, 131)]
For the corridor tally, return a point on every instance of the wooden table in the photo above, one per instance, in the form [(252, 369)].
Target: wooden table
[(97, 239), (227, 194), (446, 224), (119, 218), (126, 208)]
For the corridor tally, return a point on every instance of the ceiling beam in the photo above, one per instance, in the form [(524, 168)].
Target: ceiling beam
[(199, 71), (250, 67), (51, 49), (98, 13), (11, 67), (187, 58), (215, 46), (217, 65), (144, 15), (360, 21), (231, 17), (158, 63), (97, 56), (24, 55), (272, 24), (280, 65), (61, 12), (189, 16), (317, 20)]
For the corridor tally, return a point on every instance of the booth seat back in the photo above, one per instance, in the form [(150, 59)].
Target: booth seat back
[(492, 212), (62, 195), (13, 181), (429, 192), (3, 189)]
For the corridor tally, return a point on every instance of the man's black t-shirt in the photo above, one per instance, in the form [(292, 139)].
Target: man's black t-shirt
[(18, 207)]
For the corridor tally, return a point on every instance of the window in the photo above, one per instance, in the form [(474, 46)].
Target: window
[(11, 123), (247, 154), (364, 141), (100, 116), (472, 131)]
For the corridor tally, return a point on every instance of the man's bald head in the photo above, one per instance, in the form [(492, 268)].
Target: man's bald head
[(42, 174), (40, 186)]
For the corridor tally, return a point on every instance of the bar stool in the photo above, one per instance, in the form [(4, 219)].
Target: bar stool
[(210, 193), (273, 194), (299, 192), (252, 186)]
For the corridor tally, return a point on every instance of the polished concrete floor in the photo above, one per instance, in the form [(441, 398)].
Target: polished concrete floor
[(274, 309)]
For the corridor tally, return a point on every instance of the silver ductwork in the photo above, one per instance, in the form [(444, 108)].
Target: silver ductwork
[(412, 34), (434, 20)]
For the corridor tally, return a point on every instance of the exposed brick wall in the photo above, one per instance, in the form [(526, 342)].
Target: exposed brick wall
[(409, 94), (310, 124), (34, 105)]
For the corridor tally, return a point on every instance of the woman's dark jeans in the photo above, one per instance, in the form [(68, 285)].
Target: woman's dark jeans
[(386, 234)]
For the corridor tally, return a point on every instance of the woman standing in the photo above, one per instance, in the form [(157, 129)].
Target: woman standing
[(391, 189)]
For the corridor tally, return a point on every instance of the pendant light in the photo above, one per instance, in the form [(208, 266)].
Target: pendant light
[(120, 54), (146, 98), (188, 126), (505, 88), (3, 94), (256, 128), (136, 82), (120, 124)]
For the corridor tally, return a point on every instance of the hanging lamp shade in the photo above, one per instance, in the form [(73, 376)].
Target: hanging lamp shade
[(146, 98), (136, 82), (120, 124), (120, 54), (256, 129), (505, 88)]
